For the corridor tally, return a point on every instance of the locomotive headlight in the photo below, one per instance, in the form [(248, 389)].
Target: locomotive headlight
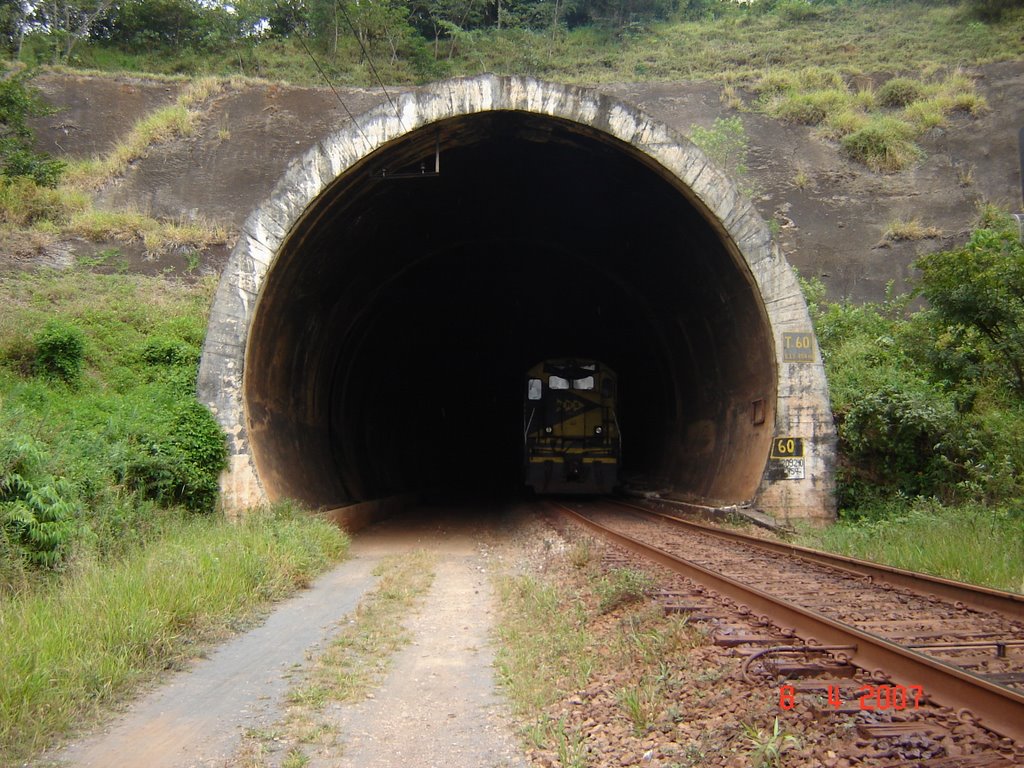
[(598, 430), (548, 430)]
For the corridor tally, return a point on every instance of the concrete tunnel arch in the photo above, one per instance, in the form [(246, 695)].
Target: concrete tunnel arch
[(370, 330)]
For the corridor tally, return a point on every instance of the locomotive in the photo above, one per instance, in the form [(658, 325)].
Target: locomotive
[(571, 436)]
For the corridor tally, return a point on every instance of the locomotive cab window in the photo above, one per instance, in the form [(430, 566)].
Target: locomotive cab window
[(557, 382), (584, 383), (534, 389)]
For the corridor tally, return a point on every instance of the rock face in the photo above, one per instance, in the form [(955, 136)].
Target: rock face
[(282, 441), (829, 213)]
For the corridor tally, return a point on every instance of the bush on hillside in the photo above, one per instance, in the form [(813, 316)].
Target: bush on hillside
[(60, 352)]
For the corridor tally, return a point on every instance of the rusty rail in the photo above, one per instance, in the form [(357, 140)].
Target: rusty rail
[(1008, 604), (999, 709)]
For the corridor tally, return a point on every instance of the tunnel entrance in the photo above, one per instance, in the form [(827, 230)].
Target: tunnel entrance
[(371, 332)]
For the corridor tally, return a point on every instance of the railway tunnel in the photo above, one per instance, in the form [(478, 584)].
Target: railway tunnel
[(372, 328)]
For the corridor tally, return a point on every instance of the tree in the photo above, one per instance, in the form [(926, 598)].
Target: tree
[(68, 22), (980, 288), (13, 15)]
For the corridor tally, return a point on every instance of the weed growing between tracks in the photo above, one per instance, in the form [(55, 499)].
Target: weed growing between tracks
[(74, 647), (355, 661)]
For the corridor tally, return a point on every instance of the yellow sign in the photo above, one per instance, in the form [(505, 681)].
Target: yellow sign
[(787, 448), (797, 347)]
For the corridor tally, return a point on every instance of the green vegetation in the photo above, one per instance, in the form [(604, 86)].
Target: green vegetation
[(568, 40), (17, 158), (96, 381), (968, 542), (649, 668), (108, 490), (178, 119), (876, 128), (146, 610), (768, 746), (538, 667), (929, 413), (726, 143)]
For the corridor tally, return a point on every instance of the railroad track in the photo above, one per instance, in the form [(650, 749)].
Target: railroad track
[(953, 644)]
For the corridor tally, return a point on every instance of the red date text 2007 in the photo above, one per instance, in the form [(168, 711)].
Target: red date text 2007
[(871, 697)]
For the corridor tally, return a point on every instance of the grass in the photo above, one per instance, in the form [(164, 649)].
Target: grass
[(353, 663), (161, 125), (876, 128), (157, 236), (69, 211), (968, 542), (631, 655), (41, 214), (77, 646), (910, 229), (136, 581), (357, 658), (536, 668)]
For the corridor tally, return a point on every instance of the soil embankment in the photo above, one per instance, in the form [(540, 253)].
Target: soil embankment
[(830, 214)]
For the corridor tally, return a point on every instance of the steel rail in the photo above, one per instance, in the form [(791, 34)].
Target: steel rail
[(999, 709), (1008, 604)]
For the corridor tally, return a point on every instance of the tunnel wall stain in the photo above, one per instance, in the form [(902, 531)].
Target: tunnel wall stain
[(790, 485)]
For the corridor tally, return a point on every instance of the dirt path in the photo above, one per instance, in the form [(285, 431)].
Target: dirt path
[(197, 718), (437, 706)]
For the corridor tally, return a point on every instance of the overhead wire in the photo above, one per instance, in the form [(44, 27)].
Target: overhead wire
[(369, 60), (330, 85)]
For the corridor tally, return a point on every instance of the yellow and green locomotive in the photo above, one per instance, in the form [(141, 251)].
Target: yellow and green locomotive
[(570, 427)]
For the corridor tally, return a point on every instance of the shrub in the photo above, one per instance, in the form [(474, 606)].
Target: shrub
[(992, 10), (60, 352), (179, 462), (164, 351), (906, 436), (725, 143), (797, 10), (899, 92), (24, 203)]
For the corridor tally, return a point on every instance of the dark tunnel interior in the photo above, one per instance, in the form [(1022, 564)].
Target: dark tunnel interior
[(390, 341)]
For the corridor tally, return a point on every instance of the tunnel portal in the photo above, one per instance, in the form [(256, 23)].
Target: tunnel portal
[(371, 331)]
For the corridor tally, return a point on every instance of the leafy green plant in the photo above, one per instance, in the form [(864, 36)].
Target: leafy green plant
[(37, 512), (767, 747), (60, 351), (725, 143), (180, 461), (980, 288)]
